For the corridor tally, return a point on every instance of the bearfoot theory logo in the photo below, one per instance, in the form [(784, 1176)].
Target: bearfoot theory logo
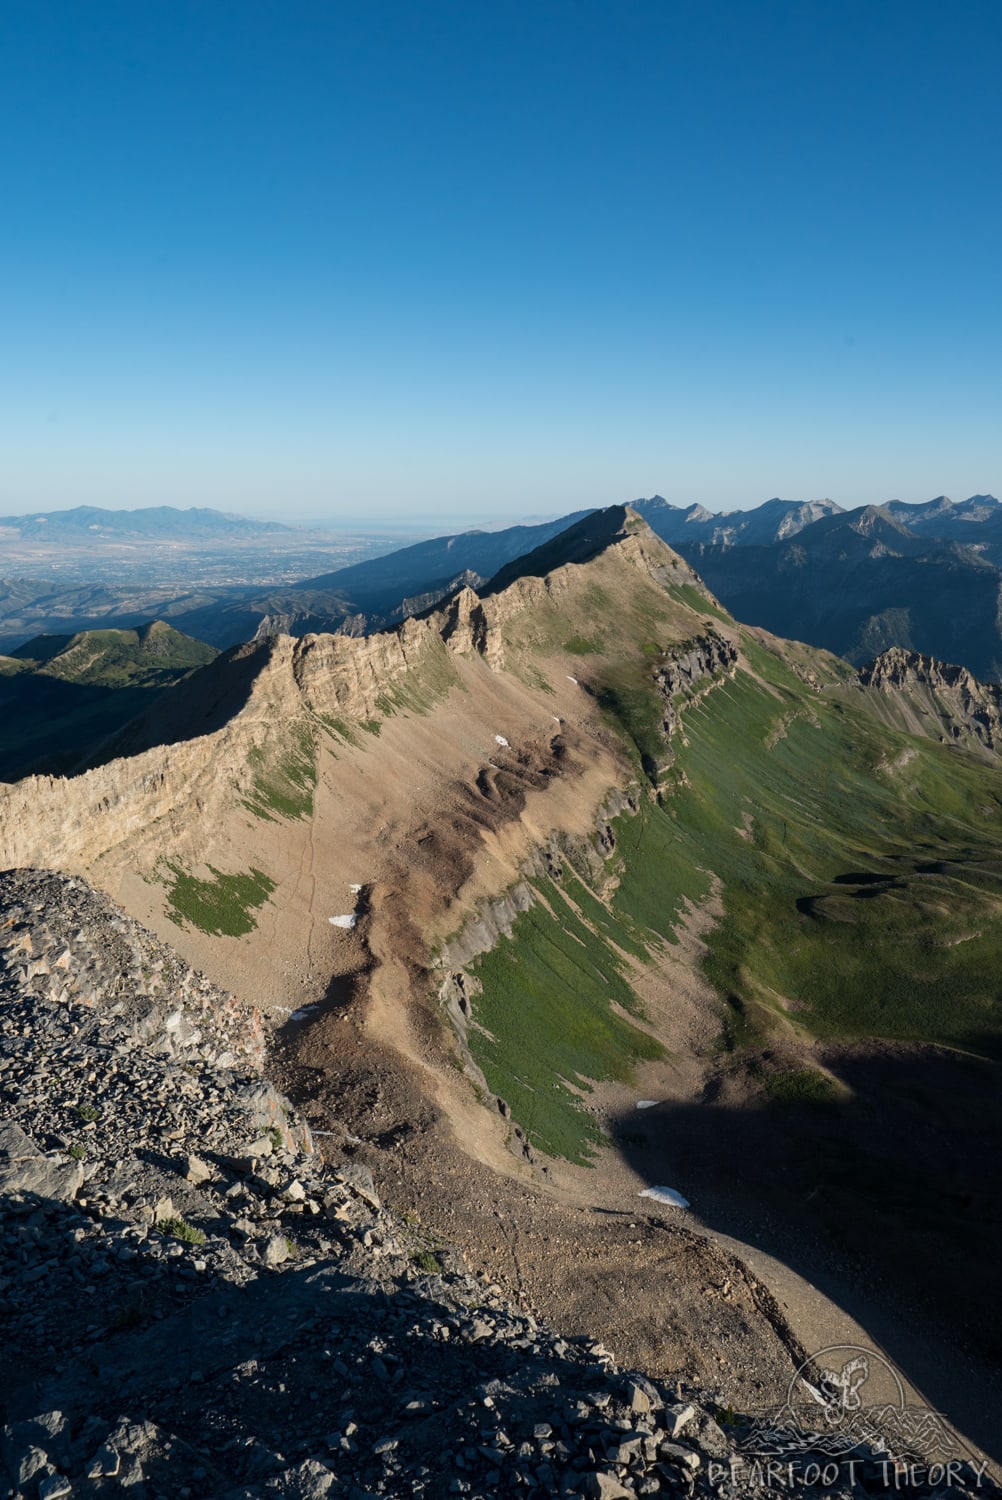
[(846, 1408)]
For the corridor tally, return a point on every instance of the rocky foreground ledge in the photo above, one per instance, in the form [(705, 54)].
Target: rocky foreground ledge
[(196, 1304)]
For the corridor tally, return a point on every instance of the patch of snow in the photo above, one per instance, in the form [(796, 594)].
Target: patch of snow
[(501, 740), (665, 1195), (302, 1015), (348, 920), (572, 679), (355, 889), (647, 1103)]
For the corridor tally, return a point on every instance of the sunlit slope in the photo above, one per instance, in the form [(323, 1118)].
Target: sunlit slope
[(425, 763), (866, 900), (856, 867)]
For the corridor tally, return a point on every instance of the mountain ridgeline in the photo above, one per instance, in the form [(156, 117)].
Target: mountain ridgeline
[(925, 578), (577, 839)]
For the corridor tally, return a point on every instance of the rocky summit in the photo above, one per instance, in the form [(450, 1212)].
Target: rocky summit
[(200, 1300)]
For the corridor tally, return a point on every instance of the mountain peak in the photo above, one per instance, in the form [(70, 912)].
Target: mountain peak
[(581, 542)]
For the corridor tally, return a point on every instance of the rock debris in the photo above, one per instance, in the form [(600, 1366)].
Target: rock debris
[(196, 1304)]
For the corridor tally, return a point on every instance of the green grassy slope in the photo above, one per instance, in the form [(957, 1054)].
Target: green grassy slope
[(867, 899), (857, 866)]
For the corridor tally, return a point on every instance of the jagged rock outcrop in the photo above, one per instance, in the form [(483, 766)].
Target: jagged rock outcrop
[(689, 670), (416, 604), (494, 920), (938, 700), (180, 771)]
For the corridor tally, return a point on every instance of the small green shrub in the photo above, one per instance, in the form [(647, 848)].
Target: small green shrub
[(87, 1112), (77, 1152), (180, 1229), (425, 1261)]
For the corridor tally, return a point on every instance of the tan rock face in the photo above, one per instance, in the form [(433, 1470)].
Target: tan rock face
[(406, 778), (937, 700)]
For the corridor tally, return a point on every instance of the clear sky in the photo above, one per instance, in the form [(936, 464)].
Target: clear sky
[(459, 260)]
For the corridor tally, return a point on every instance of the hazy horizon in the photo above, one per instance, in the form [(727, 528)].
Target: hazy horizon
[(422, 521)]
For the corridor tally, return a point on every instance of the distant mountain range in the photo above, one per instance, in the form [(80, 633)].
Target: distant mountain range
[(160, 521), (775, 520), (976, 522), (927, 578)]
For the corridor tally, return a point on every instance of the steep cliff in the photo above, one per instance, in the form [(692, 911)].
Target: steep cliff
[(936, 700)]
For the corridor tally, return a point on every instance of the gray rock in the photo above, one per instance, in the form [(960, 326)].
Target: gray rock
[(628, 1449), (25, 1465), (270, 1110), (674, 1453), (54, 1487), (310, 1480), (275, 1250), (359, 1179), (713, 1439), (26, 1169), (678, 1418), (639, 1399), (105, 1464), (605, 1486)]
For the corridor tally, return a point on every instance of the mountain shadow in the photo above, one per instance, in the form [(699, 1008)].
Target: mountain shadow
[(49, 726), (885, 1196), (62, 695), (202, 703)]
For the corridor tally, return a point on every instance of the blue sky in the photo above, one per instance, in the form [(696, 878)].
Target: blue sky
[(458, 261)]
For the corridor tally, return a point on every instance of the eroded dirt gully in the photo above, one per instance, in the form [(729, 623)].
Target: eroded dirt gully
[(374, 1067)]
